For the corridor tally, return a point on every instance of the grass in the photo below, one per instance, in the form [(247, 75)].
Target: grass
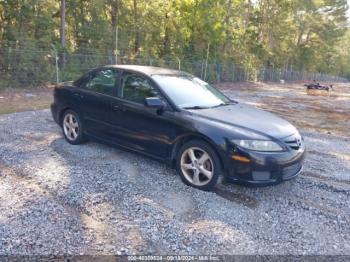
[(10, 110), (19, 100)]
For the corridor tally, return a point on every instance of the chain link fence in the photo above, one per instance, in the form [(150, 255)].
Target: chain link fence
[(32, 67)]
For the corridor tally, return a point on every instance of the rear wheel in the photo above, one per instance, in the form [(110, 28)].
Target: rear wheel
[(72, 127), (198, 165)]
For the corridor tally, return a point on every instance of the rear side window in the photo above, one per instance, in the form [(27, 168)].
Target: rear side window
[(103, 81), (136, 88)]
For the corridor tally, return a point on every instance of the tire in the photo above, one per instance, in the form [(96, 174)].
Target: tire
[(72, 127), (199, 170)]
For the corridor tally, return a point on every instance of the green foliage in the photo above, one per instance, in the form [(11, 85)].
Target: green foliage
[(287, 34)]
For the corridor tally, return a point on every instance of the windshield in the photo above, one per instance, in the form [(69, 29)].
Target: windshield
[(187, 91)]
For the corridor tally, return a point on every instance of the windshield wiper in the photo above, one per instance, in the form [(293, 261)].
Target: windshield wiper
[(224, 104), (206, 107), (195, 107), (221, 104)]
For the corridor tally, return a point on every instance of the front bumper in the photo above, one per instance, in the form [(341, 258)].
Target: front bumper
[(266, 168)]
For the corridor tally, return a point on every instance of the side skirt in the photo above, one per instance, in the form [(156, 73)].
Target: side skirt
[(167, 161)]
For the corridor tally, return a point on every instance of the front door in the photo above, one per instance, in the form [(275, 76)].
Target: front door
[(141, 128)]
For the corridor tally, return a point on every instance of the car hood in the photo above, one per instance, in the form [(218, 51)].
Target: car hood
[(242, 115)]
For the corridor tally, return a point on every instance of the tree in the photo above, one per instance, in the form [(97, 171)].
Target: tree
[(287, 34), (63, 31)]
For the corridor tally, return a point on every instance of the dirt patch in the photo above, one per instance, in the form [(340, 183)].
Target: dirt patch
[(328, 114), (318, 176), (18, 100)]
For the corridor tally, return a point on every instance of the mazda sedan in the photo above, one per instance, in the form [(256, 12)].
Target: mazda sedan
[(176, 117)]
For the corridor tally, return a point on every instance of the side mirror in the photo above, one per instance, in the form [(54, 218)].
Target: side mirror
[(154, 102)]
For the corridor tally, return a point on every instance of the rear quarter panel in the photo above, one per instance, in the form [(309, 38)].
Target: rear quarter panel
[(64, 99)]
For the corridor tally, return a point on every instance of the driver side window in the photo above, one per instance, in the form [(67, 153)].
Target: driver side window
[(136, 88)]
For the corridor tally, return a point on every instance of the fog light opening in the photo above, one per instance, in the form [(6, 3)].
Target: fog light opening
[(242, 159)]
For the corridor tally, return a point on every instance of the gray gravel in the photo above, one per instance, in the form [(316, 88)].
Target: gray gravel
[(56, 198)]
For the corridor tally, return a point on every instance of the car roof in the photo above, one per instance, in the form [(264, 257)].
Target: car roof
[(148, 70)]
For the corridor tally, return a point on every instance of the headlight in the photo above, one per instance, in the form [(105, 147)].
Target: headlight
[(259, 145)]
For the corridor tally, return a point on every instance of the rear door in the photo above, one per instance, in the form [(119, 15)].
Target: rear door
[(96, 95)]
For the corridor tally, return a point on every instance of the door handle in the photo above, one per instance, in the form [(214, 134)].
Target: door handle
[(118, 108), (80, 96)]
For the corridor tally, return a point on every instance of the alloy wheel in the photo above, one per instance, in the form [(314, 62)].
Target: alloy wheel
[(197, 166), (70, 127)]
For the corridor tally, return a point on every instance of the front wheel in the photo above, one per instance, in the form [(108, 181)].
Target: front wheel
[(72, 127), (198, 165)]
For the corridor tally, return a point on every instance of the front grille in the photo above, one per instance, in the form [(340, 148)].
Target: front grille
[(293, 141)]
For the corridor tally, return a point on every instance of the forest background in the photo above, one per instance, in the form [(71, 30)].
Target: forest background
[(43, 41)]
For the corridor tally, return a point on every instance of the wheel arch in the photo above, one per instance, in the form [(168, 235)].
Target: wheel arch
[(61, 113), (193, 136)]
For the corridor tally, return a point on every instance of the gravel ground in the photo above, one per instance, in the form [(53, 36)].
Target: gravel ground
[(56, 198)]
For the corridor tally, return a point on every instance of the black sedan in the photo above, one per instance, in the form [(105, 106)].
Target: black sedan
[(178, 118)]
